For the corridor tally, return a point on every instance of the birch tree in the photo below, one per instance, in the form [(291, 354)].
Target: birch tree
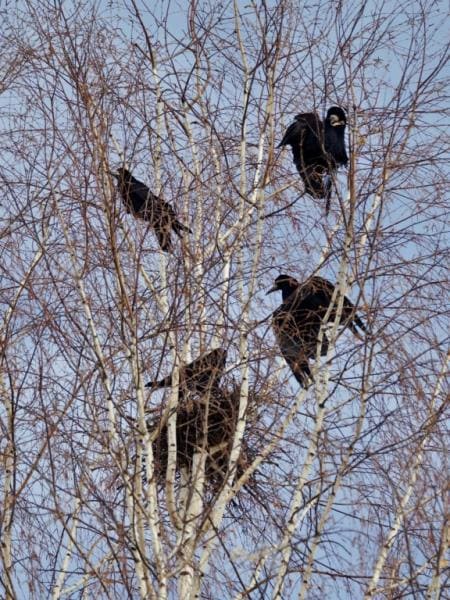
[(335, 491)]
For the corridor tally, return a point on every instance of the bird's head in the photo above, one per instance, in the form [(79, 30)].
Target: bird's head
[(336, 117), (121, 173), (219, 356), (285, 284)]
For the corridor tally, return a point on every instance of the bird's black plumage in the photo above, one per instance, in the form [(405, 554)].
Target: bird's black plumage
[(297, 321), (201, 375), (142, 203), (318, 149)]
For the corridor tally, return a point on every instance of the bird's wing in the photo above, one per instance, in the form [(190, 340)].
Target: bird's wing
[(294, 331), (158, 213), (326, 288), (166, 209), (152, 208), (292, 135), (294, 353), (308, 305), (313, 154), (297, 324), (319, 285), (308, 153), (299, 299), (207, 370), (178, 227), (163, 218), (138, 193), (167, 212), (163, 211), (310, 121), (203, 372), (303, 123)]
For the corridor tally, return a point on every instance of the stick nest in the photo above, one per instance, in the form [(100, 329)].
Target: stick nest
[(207, 423)]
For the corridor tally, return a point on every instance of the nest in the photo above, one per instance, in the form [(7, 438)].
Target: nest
[(204, 424), (207, 423)]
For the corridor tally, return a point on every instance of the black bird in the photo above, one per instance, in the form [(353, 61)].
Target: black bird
[(297, 321), (318, 149), (142, 203), (201, 375)]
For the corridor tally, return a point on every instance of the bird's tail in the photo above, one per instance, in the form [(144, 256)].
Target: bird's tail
[(327, 182), (164, 239), (302, 373), (351, 317), (353, 323), (357, 321), (179, 228), (162, 383)]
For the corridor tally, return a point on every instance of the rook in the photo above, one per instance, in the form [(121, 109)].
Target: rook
[(142, 203), (297, 321)]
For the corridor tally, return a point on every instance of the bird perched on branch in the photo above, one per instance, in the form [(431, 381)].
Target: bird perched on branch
[(142, 203), (201, 375), (297, 321), (318, 149)]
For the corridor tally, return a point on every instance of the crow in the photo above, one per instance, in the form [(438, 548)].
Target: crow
[(201, 375), (297, 321), (318, 149), (142, 203)]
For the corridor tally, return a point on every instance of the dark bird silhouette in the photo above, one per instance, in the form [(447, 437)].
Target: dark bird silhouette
[(201, 375), (318, 149), (142, 203), (297, 321)]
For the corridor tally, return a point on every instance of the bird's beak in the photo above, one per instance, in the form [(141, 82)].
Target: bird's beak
[(274, 289), (113, 174), (335, 121)]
